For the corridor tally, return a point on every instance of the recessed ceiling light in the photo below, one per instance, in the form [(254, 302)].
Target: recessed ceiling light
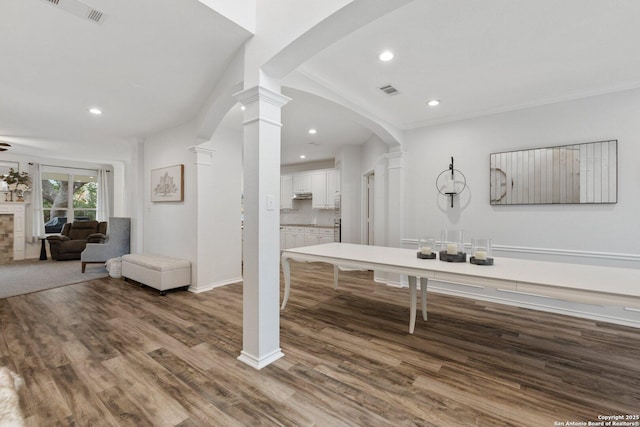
[(313, 131), (386, 56), (302, 156), (95, 111), (433, 103), (242, 107)]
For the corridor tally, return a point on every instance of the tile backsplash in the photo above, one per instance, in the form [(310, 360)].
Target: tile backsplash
[(303, 213)]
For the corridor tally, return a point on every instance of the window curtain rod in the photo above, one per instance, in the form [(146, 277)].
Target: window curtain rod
[(69, 167)]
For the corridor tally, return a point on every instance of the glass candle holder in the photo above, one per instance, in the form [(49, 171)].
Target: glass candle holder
[(481, 251), (426, 248), (427, 245), (452, 247), (452, 241)]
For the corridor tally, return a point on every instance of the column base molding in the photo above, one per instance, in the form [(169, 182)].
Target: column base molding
[(259, 363)]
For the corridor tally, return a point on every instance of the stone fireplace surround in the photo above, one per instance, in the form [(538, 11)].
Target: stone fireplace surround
[(17, 211)]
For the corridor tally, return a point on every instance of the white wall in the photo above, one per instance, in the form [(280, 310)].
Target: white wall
[(205, 227), (349, 162), (169, 227), (222, 204), (372, 150), (593, 234), (354, 162), (373, 159), (609, 229)]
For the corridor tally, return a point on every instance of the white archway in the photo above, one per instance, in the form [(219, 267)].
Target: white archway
[(266, 59)]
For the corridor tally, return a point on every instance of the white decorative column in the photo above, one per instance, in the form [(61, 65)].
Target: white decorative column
[(203, 270), (261, 245)]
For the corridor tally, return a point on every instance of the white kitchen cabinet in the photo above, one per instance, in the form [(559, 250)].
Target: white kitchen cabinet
[(318, 236), (297, 236), (331, 188), (319, 189), (326, 236), (302, 183), (298, 240), (286, 192), (323, 187), (294, 237), (311, 236)]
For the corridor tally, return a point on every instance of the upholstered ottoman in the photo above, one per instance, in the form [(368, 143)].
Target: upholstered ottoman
[(157, 271)]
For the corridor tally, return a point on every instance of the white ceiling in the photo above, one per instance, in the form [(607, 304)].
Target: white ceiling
[(152, 63), (482, 57), (149, 66)]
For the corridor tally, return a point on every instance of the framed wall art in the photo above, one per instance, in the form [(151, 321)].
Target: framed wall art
[(167, 184)]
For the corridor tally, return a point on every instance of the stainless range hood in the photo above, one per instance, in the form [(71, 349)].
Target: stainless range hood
[(302, 196)]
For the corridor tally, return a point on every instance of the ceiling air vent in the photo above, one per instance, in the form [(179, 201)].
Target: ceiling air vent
[(95, 15), (78, 9), (389, 90)]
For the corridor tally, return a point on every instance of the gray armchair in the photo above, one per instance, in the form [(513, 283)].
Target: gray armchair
[(116, 243)]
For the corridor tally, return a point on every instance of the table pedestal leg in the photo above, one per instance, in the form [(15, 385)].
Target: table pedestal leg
[(287, 281), (412, 310), (335, 277), (423, 294)]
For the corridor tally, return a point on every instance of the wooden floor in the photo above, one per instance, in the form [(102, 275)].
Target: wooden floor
[(107, 352)]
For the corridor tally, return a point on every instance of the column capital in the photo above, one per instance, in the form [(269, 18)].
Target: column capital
[(261, 93), (395, 159), (203, 155)]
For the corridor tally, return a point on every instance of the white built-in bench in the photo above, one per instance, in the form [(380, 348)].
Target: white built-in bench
[(157, 271)]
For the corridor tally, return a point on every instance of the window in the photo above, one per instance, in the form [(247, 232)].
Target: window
[(68, 195)]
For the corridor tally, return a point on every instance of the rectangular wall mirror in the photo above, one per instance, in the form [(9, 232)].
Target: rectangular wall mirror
[(580, 173)]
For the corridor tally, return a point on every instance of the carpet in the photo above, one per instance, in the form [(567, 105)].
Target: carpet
[(24, 277)]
